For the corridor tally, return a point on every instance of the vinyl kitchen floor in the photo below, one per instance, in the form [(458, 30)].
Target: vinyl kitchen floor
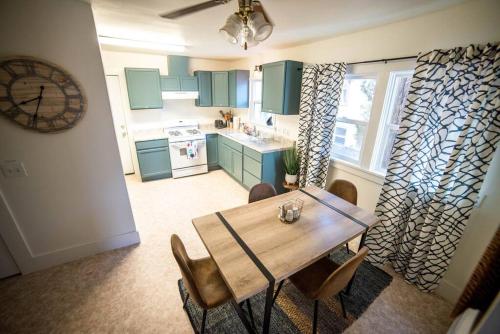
[(134, 289)]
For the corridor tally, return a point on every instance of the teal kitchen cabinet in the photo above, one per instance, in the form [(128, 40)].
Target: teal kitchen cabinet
[(204, 80), (212, 151), (238, 82), (263, 168), (154, 159), (143, 86), (281, 82), (220, 89), (231, 157), (178, 84), (170, 83)]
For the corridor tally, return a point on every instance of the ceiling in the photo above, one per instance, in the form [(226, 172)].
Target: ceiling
[(296, 22)]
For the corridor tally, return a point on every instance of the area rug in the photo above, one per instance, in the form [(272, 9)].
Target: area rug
[(292, 313)]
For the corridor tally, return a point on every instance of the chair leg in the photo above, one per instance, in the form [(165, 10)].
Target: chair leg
[(342, 304), (278, 291), (185, 300), (347, 248), (250, 313), (315, 318), (203, 321)]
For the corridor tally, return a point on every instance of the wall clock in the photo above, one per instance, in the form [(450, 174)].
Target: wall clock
[(39, 95)]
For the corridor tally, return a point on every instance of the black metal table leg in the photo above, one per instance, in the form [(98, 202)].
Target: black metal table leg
[(268, 308), (361, 244), (243, 317)]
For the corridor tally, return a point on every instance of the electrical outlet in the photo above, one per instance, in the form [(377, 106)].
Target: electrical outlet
[(13, 168)]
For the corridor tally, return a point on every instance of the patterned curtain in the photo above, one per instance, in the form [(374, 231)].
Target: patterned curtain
[(319, 100), (449, 130)]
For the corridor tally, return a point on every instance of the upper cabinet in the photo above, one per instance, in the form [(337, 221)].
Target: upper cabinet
[(281, 82), (178, 84), (220, 89), (204, 79), (143, 85), (238, 88)]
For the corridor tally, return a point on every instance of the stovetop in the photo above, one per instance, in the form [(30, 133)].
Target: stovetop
[(184, 134)]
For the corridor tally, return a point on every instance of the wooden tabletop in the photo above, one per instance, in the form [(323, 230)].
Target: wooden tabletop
[(326, 222)]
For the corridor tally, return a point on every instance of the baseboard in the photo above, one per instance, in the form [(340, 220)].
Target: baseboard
[(448, 291), (53, 258)]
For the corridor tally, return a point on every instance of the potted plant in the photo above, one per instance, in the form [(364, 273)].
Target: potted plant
[(291, 162)]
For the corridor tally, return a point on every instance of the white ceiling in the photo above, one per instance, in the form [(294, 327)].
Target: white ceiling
[(296, 21)]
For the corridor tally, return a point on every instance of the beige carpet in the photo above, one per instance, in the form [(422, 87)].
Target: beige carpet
[(134, 290)]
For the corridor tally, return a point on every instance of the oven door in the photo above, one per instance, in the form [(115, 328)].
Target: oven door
[(179, 154)]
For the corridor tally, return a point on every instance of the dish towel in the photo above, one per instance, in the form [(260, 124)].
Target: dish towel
[(192, 150)]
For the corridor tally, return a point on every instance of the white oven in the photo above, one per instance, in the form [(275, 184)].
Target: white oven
[(188, 157)]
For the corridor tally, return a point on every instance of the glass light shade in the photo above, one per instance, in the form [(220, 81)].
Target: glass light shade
[(246, 35), (232, 29), (260, 27)]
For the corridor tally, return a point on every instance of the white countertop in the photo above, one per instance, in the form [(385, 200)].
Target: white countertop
[(259, 146)]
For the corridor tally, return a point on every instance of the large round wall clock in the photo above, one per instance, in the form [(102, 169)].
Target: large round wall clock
[(39, 95)]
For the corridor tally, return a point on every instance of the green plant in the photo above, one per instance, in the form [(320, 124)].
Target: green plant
[(291, 161)]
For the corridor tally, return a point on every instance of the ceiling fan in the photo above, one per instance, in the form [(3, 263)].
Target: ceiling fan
[(249, 26)]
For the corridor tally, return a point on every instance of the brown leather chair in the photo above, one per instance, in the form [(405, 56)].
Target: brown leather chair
[(347, 191), (202, 280), (261, 191), (325, 278)]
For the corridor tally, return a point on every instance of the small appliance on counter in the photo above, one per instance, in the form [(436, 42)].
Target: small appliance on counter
[(220, 124)]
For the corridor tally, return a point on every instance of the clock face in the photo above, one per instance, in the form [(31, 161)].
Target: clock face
[(39, 95)]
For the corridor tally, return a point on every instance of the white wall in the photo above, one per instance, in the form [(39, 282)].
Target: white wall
[(114, 64), (73, 202), (470, 22)]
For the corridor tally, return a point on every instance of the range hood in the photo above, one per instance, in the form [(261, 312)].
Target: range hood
[(178, 84), (179, 95)]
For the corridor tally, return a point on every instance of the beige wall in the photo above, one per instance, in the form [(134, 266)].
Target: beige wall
[(74, 201), (470, 22)]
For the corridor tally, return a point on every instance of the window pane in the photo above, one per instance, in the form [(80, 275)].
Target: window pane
[(348, 140), (352, 118), (257, 90), (356, 99), (397, 89)]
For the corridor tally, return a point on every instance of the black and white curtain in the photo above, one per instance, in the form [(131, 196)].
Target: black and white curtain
[(319, 100), (448, 134)]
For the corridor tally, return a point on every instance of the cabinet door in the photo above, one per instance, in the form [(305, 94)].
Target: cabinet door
[(212, 151), (220, 89), (273, 87), (143, 86), (154, 163), (189, 84), (204, 89), (170, 83), (237, 162)]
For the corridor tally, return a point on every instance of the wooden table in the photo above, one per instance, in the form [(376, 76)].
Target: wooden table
[(254, 250)]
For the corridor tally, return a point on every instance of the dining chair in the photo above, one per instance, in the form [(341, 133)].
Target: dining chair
[(202, 280), (325, 278), (347, 191), (261, 191)]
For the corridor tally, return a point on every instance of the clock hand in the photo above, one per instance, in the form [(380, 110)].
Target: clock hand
[(35, 115)]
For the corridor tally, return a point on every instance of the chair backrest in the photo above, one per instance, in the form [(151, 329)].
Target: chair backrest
[(185, 264), (339, 279), (261, 191), (345, 190)]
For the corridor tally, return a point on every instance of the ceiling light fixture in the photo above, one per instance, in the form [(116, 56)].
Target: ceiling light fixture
[(107, 40), (248, 26)]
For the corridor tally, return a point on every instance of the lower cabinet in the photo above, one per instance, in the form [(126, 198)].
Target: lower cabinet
[(250, 167), (154, 159), (212, 151)]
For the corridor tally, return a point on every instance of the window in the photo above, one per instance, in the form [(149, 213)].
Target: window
[(352, 118), (395, 97), (256, 116)]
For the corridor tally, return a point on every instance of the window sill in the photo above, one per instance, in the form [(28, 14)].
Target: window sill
[(358, 171)]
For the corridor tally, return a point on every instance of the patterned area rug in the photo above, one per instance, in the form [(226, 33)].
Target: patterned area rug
[(292, 312)]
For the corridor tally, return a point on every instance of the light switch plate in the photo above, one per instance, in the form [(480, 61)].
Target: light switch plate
[(13, 168)]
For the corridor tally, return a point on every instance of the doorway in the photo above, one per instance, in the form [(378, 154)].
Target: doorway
[(119, 120)]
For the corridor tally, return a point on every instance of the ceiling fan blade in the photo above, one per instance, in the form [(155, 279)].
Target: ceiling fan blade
[(193, 9), (258, 7)]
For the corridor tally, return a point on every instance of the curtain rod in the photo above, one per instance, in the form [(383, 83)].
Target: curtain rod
[(382, 60)]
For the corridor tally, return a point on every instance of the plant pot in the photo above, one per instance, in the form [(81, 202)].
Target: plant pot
[(290, 179)]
